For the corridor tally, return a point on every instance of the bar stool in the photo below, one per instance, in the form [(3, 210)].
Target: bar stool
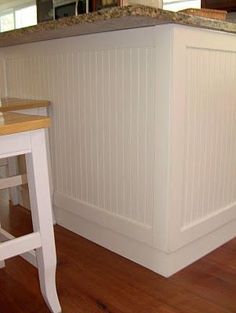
[(25, 106), (26, 134)]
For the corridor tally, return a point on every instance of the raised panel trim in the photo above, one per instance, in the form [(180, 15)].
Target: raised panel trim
[(183, 39), (206, 225), (116, 223)]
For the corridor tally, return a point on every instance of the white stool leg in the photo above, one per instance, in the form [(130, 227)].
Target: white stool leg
[(2, 263), (38, 181), (50, 170), (12, 171)]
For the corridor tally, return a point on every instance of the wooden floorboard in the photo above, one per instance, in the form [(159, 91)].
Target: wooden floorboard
[(91, 279)]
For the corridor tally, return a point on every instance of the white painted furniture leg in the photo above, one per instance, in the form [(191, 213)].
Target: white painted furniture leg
[(2, 263), (12, 171), (38, 181), (50, 171)]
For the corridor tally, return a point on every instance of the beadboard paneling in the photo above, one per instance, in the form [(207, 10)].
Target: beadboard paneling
[(210, 167), (142, 138), (107, 138), (202, 144), (103, 133), (3, 86)]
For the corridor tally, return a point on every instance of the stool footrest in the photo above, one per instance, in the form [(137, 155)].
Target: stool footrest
[(13, 181), (29, 256), (16, 246)]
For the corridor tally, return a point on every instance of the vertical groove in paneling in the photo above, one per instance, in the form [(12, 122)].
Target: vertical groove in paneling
[(210, 146), (103, 123), (3, 84)]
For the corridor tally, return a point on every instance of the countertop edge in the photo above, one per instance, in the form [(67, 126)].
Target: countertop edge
[(116, 18)]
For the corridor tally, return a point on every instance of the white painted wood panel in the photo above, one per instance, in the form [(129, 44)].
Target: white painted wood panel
[(103, 133), (210, 167), (142, 139), (3, 85), (202, 174)]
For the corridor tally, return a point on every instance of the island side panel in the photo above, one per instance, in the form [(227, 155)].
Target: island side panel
[(109, 136), (203, 147), (143, 137)]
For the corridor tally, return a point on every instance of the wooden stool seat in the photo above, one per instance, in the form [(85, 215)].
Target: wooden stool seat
[(9, 104), (26, 134), (12, 123)]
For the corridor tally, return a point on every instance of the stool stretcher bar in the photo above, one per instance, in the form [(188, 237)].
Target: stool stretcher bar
[(13, 181), (19, 245), (28, 256)]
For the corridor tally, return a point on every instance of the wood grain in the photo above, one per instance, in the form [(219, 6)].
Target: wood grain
[(11, 123), (92, 279), (14, 104)]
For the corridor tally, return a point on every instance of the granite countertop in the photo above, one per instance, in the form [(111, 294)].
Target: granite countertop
[(116, 18)]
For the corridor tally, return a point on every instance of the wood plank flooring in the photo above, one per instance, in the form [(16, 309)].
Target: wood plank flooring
[(92, 279)]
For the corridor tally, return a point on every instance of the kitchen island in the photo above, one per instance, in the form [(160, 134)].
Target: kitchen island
[(143, 136)]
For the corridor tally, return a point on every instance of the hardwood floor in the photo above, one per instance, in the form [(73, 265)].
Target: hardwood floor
[(91, 279)]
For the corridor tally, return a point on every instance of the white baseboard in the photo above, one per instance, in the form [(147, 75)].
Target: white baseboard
[(117, 223), (165, 264)]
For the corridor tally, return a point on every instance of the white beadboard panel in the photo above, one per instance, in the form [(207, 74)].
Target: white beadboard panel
[(3, 85), (210, 147), (202, 195), (103, 132), (142, 139)]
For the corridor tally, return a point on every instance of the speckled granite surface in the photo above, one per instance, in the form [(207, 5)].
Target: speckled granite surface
[(115, 18)]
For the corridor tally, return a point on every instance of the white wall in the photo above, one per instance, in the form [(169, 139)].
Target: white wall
[(176, 5), (4, 5)]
